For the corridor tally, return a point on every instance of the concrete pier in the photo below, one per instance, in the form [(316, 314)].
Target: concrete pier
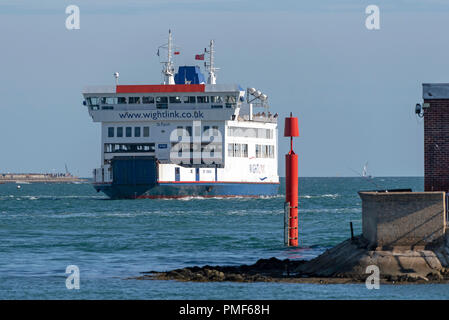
[(404, 234), (407, 219)]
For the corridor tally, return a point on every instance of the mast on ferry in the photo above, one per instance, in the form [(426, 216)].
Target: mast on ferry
[(168, 70), (211, 67)]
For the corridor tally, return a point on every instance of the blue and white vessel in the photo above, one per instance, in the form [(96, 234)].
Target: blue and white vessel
[(185, 137)]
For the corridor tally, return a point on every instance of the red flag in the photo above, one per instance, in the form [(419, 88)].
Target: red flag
[(199, 56), (176, 52)]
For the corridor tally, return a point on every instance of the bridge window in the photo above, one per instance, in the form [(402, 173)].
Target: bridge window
[(129, 131), (119, 132), (134, 100), (216, 99), (175, 99), (230, 101), (162, 102), (93, 101), (148, 100), (109, 100), (188, 99), (110, 132), (203, 99), (121, 100), (136, 131), (146, 131)]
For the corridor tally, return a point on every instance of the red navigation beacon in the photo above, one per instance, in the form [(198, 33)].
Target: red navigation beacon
[(291, 182)]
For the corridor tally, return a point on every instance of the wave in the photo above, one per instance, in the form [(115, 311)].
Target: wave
[(188, 198), (45, 197), (331, 210), (333, 196)]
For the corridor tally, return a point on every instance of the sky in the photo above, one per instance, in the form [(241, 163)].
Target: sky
[(353, 89)]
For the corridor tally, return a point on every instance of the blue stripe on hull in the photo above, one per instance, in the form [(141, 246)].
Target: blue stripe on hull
[(178, 190)]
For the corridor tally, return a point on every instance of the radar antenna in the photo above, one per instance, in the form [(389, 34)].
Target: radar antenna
[(211, 66), (168, 70)]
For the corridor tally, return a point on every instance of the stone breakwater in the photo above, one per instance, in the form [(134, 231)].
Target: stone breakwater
[(38, 178), (345, 263)]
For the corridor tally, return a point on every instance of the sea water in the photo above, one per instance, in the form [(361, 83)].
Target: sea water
[(46, 227)]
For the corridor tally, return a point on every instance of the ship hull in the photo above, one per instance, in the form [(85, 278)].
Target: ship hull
[(188, 189)]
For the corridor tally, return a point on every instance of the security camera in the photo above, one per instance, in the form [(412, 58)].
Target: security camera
[(419, 110)]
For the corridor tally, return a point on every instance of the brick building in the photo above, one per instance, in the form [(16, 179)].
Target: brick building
[(436, 136)]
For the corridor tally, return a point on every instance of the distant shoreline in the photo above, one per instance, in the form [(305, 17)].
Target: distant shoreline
[(38, 178)]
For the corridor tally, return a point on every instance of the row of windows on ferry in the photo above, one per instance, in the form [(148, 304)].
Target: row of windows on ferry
[(162, 102), (128, 132), (187, 130), (138, 132), (238, 150), (184, 151), (241, 150), (250, 132), (210, 130), (130, 147)]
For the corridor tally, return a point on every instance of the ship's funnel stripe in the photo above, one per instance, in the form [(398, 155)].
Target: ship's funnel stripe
[(160, 88)]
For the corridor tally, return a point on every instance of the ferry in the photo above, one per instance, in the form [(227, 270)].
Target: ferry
[(186, 137)]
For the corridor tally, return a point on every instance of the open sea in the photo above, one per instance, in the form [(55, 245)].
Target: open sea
[(46, 227)]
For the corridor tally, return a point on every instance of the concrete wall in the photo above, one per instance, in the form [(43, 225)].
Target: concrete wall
[(403, 218)]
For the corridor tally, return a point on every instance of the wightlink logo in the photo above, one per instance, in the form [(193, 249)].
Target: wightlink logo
[(162, 115)]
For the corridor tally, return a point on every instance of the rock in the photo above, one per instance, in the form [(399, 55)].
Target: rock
[(214, 275), (435, 276), (234, 277), (346, 262), (198, 277)]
